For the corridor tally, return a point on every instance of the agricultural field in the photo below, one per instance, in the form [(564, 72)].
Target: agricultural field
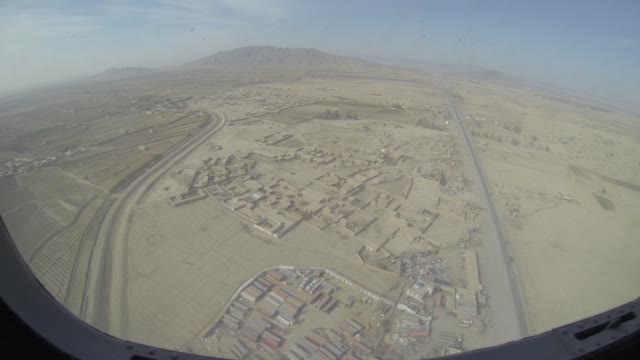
[(29, 227), (54, 260), (113, 161), (12, 199), (319, 110), (58, 194), (8, 184)]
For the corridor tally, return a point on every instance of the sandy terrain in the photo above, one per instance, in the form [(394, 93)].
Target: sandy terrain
[(176, 251), (358, 172), (567, 190), (188, 261)]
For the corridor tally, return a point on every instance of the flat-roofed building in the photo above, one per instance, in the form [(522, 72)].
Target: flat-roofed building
[(466, 304), (420, 290), (473, 272)]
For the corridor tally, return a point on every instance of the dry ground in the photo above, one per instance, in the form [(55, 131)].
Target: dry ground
[(568, 192), (187, 262), (565, 176)]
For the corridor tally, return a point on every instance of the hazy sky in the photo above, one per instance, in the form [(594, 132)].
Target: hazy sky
[(588, 45)]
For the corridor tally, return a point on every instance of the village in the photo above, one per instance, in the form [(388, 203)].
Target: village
[(362, 196), (334, 210), (347, 194)]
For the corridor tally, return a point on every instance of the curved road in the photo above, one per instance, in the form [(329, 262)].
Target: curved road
[(105, 305), (509, 307)]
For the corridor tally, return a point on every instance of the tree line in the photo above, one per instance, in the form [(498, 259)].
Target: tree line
[(337, 115)]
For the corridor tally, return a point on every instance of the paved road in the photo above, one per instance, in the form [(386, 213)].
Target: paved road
[(106, 292), (75, 298), (508, 307)]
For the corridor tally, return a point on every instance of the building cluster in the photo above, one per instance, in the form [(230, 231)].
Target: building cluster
[(343, 204), (262, 312), (449, 340), (262, 316), (186, 198), (424, 266), (432, 292), (274, 139), (365, 291), (249, 102), (19, 166), (222, 170), (413, 327), (329, 346), (356, 205), (463, 301)]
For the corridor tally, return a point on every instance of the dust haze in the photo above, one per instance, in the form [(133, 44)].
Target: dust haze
[(265, 202)]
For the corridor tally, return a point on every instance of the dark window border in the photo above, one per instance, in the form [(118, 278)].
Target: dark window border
[(53, 330)]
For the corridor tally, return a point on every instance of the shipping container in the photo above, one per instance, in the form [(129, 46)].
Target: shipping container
[(331, 308), (322, 356), (260, 286), (296, 350), (269, 343), (239, 306), (333, 349), (235, 312), (273, 300), (276, 275), (264, 283), (328, 301), (355, 323), (250, 334), (292, 356), (317, 298), (241, 349), (295, 301), (327, 353), (269, 335), (362, 347), (307, 346), (236, 354), (316, 339)]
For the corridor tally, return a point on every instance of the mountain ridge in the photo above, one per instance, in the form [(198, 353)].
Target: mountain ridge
[(272, 56)]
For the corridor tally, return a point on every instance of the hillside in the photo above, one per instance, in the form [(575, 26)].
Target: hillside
[(123, 72), (270, 56)]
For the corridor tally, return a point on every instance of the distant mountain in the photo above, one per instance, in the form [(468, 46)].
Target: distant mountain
[(499, 77), (424, 65), (123, 72), (271, 56), (496, 77)]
